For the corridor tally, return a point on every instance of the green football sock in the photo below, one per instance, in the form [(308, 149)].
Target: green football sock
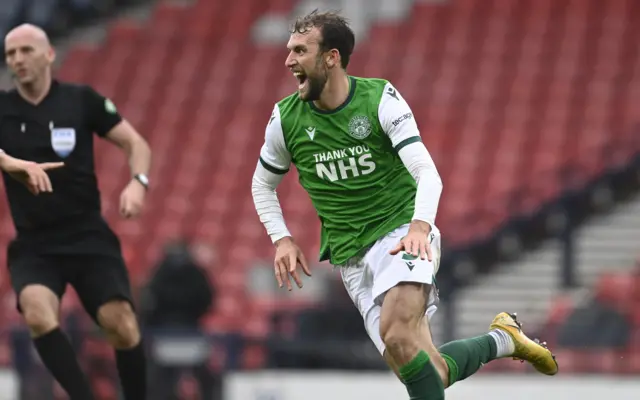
[(465, 357), (422, 379)]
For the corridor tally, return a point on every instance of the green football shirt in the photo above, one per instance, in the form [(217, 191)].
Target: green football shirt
[(347, 161)]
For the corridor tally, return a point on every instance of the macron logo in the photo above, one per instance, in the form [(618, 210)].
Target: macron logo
[(311, 132), (392, 92)]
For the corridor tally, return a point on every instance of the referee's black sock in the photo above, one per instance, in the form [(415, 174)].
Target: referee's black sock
[(132, 369), (60, 359)]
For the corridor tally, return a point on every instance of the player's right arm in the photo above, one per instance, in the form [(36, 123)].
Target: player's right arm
[(272, 166)]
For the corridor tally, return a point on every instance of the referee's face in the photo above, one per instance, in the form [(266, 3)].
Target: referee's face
[(28, 55)]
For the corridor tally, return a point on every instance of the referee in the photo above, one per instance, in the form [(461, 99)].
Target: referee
[(55, 205)]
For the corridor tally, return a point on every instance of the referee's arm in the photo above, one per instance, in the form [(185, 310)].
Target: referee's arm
[(135, 147), (108, 124), (32, 175)]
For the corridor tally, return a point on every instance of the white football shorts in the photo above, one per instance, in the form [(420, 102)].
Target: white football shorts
[(368, 280)]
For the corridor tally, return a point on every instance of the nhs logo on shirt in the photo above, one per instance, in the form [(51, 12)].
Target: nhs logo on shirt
[(63, 141)]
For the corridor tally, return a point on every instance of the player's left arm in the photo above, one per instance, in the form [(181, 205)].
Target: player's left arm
[(107, 123), (398, 122)]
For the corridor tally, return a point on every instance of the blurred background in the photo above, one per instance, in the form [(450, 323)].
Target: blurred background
[(529, 108)]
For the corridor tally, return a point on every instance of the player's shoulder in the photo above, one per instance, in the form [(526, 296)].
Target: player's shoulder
[(374, 88), (370, 82), (289, 105)]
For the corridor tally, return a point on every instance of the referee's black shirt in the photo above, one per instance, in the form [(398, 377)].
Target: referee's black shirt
[(59, 128)]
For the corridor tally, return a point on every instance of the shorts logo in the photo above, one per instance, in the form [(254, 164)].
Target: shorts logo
[(63, 141), (359, 127), (409, 258)]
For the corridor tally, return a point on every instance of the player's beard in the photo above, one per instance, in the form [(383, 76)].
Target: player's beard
[(316, 82)]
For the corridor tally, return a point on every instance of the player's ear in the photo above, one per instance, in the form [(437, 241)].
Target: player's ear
[(332, 58)]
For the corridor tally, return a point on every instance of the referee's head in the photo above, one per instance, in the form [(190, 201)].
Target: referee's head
[(29, 55)]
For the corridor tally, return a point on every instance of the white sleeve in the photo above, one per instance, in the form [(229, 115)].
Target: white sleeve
[(274, 155), (398, 123), (273, 164)]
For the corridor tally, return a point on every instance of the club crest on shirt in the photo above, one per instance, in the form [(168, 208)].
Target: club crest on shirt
[(359, 127), (63, 141)]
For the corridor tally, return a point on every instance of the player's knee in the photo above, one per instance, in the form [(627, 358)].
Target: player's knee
[(402, 311), (39, 309), (119, 322), (397, 330), (398, 338)]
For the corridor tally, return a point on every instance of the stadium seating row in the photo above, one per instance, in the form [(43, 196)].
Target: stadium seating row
[(509, 96)]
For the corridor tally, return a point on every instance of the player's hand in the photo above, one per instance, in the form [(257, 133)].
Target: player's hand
[(288, 256), (416, 242), (132, 199), (33, 175)]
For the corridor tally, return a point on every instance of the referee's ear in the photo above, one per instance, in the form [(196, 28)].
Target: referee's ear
[(51, 54)]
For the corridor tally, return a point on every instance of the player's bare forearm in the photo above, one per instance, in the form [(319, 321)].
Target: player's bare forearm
[(282, 241)]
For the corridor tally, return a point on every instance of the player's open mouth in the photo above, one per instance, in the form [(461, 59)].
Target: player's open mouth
[(302, 79)]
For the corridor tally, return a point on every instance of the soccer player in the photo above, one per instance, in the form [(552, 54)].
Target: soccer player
[(359, 156), (61, 236)]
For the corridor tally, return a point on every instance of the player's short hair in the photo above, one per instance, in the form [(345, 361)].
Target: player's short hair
[(335, 31)]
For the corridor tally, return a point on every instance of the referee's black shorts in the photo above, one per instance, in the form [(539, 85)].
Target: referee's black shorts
[(90, 260)]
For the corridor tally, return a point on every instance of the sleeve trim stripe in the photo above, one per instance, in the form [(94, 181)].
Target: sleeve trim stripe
[(406, 142), (273, 169)]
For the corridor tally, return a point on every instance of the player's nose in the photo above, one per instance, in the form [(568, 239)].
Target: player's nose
[(290, 61)]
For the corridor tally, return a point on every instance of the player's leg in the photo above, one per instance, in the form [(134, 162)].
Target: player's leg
[(403, 287), (460, 359), (102, 284), (427, 344), (39, 285), (407, 343), (359, 281), (505, 339), (465, 357)]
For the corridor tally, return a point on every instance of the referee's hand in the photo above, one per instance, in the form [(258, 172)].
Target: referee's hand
[(32, 175), (132, 199)]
